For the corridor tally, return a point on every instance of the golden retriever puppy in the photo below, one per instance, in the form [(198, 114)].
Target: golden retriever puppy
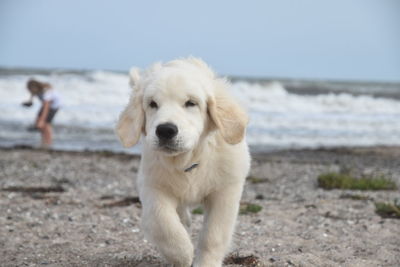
[(194, 151)]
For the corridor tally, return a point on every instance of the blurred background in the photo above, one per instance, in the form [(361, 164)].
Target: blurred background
[(311, 73)]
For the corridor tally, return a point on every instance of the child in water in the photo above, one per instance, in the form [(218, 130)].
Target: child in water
[(51, 102)]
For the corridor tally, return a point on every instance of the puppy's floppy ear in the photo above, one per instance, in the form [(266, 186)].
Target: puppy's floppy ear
[(230, 119), (131, 121)]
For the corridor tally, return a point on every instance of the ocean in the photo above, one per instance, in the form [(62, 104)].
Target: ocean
[(284, 113)]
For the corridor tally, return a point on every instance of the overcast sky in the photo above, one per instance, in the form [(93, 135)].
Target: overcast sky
[(336, 39)]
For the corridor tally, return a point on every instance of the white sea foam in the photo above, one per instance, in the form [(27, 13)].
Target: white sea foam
[(284, 119), (92, 102)]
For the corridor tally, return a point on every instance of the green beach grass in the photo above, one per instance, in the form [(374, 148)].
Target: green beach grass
[(388, 210), (332, 180)]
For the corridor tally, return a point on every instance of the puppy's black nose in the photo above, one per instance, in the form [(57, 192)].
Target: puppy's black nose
[(166, 131)]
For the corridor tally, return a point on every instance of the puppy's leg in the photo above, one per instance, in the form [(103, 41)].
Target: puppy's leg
[(162, 225), (221, 212), (184, 214)]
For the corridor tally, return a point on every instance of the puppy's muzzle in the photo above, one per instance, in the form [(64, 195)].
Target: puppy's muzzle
[(166, 131)]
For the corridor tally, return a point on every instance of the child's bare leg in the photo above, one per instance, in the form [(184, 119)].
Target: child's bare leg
[(47, 136)]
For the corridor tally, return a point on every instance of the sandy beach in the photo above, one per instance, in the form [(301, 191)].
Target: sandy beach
[(81, 209)]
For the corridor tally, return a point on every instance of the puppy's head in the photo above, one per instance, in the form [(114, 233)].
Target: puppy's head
[(176, 104)]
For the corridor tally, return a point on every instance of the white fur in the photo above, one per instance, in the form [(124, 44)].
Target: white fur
[(211, 134)]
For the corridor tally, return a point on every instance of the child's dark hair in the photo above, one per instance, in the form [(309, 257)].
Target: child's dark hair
[(36, 84)]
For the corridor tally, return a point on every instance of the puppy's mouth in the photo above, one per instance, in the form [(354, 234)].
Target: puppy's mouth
[(169, 147)]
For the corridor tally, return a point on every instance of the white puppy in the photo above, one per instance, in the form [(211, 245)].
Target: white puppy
[(194, 152)]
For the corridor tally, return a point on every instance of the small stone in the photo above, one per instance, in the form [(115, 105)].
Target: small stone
[(260, 197), (290, 263), (273, 259)]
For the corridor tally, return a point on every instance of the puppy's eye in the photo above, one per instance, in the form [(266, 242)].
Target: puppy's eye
[(153, 104), (190, 103)]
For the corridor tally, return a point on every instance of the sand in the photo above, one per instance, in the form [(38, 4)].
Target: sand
[(91, 215)]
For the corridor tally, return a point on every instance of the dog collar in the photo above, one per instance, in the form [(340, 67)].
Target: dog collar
[(191, 167)]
